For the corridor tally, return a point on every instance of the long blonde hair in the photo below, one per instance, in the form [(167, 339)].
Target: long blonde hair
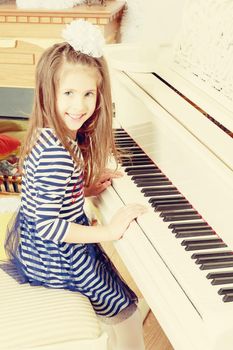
[(95, 137)]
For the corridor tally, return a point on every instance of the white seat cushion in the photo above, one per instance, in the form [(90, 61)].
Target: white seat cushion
[(46, 318)]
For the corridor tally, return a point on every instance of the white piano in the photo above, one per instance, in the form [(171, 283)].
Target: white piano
[(177, 122)]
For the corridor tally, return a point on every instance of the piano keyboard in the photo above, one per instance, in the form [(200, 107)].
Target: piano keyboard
[(193, 233)]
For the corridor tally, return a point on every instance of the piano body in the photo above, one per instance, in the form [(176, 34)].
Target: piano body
[(177, 122)]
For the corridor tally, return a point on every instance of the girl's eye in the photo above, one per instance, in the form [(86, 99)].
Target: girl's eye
[(89, 93), (68, 93)]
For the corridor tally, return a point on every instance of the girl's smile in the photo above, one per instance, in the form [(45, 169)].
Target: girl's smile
[(76, 95), (76, 117)]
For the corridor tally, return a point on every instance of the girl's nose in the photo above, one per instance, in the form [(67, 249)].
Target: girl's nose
[(79, 105)]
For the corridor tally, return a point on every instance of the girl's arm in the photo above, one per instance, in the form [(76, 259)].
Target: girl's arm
[(113, 231)]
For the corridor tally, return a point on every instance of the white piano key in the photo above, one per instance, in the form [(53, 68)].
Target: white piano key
[(174, 255)]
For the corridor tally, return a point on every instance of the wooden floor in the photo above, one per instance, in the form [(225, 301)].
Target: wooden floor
[(154, 336)]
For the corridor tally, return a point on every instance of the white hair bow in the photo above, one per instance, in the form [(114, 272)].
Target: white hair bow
[(84, 37)]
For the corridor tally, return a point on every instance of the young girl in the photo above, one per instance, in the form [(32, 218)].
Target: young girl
[(66, 150)]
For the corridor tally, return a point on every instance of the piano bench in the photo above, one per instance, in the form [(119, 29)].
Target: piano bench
[(46, 319), (42, 318)]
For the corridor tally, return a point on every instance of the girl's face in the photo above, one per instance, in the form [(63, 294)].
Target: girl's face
[(76, 95)]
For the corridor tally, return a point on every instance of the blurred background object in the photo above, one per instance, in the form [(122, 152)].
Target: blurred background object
[(152, 22)]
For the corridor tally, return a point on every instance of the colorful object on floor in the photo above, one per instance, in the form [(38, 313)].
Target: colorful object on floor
[(8, 145)]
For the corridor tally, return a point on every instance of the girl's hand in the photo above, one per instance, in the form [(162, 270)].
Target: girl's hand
[(122, 219), (102, 183)]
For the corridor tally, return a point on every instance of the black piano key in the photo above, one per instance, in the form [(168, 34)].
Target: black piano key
[(145, 168), (124, 139), (126, 144), (216, 265), (200, 241), (228, 298), (205, 246), (182, 218), (122, 136), (155, 192), (227, 294), (146, 177), (141, 167), (213, 275), (165, 188), (155, 204), (151, 183), (223, 291), (167, 207), (137, 157), (221, 280), (159, 193), (133, 171), (192, 229), (167, 200), (192, 224), (178, 213), (187, 234), (134, 150), (119, 130), (142, 170), (138, 161), (211, 254), (150, 178), (133, 162), (213, 260)]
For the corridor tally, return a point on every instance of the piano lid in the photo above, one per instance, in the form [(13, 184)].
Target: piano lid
[(195, 72), (198, 64)]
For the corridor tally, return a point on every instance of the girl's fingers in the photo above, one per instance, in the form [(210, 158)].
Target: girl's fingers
[(110, 174), (137, 207), (116, 174), (134, 210)]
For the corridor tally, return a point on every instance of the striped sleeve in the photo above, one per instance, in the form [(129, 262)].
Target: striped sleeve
[(51, 179)]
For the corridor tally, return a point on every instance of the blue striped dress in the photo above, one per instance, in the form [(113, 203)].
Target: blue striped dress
[(52, 198)]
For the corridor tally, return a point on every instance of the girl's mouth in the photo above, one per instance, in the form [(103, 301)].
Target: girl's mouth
[(75, 116)]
